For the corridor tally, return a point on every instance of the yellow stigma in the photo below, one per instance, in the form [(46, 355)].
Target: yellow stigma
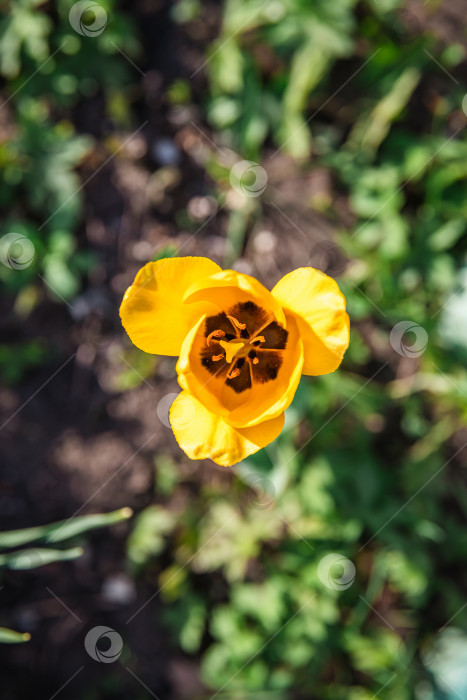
[(231, 348)]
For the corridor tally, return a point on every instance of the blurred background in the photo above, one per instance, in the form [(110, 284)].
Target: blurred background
[(266, 135)]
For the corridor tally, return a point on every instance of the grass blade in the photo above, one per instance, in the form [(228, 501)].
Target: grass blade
[(64, 529)]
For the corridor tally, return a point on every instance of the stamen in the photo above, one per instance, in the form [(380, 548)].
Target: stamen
[(258, 339), (255, 360), (216, 358), (215, 334), (237, 324), (235, 373)]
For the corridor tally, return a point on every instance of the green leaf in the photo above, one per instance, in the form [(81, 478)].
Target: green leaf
[(371, 130), (167, 251), (308, 67), (192, 631), (62, 530), (148, 537), (34, 558), (11, 637)]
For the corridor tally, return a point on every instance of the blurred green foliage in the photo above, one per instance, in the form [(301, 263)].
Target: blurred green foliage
[(365, 467), (265, 63), (370, 464), (48, 67)]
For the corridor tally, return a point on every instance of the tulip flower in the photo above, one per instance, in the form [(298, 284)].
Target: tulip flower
[(242, 349)]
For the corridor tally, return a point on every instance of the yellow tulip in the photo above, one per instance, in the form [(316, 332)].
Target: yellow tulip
[(241, 348)]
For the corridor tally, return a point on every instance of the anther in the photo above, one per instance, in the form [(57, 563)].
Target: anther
[(235, 373), (237, 324), (255, 360), (216, 358), (215, 334), (258, 339)]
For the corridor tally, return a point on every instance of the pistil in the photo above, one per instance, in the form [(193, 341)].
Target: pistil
[(231, 347)]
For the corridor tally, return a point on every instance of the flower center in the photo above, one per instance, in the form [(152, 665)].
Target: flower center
[(243, 346), (232, 348)]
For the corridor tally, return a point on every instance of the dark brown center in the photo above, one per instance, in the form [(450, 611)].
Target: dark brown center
[(243, 346)]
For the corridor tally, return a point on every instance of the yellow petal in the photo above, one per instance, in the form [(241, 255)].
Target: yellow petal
[(228, 287), (319, 308), (205, 435), (153, 312), (207, 387)]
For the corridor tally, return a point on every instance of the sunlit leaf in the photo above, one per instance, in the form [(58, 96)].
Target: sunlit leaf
[(64, 529)]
